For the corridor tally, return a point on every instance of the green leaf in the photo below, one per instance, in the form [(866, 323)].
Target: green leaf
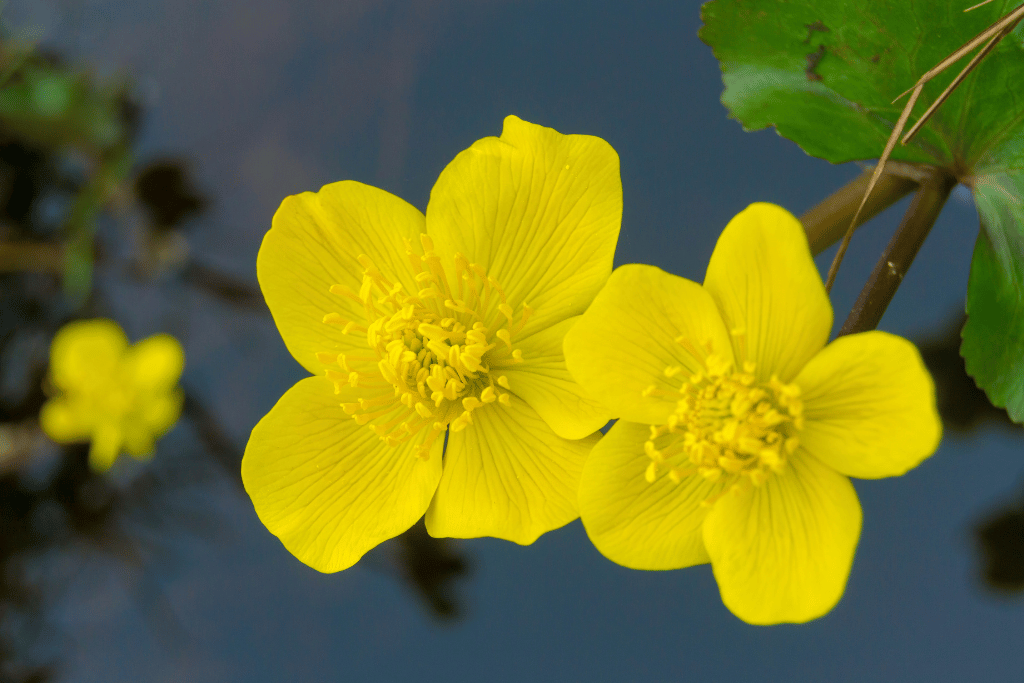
[(824, 73), (993, 338)]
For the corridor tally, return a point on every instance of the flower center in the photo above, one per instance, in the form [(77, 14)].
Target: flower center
[(726, 426), (438, 352)]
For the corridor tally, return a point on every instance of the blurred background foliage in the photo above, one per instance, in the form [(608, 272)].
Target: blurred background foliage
[(74, 199)]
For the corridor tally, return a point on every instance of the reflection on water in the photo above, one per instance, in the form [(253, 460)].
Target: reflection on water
[(432, 565), (962, 405), (965, 409), (1002, 544)]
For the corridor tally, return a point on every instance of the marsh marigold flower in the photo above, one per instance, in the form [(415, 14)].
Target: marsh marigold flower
[(115, 396), (427, 329), (739, 426)]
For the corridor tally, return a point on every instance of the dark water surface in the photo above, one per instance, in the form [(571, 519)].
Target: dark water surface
[(270, 97)]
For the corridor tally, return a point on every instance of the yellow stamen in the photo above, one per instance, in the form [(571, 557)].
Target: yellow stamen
[(436, 348), (727, 427)]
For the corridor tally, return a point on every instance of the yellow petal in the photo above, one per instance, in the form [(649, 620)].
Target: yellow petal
[(155, 363), (138, 441), (507, 475), (627, 338), (632, 522), (313, 244), (869, 404), (539, 211), (107, 439), (85, 352), (764, 281), (62, 423), (543, 381), (782, 552), (329, 488), (159, 411)]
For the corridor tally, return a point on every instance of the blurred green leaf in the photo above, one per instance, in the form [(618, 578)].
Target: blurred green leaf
[(55, 108), (52, 94), (824, 73), (80, 229)]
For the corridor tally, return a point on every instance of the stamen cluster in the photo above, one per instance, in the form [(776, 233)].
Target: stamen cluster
[(439, 349), (726, 425)]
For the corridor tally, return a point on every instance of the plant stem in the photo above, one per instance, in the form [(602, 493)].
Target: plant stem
[(881, 286), (233, 291), (31, 257), (826, 223)]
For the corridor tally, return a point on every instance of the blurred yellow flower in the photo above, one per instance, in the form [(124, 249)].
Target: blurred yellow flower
[(427, 329), (118, 397), (739, 426)]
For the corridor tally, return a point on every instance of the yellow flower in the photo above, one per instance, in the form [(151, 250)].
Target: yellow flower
[(739, 426), (119, 397), (427, 329)]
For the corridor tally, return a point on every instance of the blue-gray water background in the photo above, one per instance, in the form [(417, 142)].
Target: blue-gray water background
[(267, 98)]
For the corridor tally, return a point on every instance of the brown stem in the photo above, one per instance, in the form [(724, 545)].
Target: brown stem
[(881, 286), (235, 292), (826, 223), (31, 257)]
